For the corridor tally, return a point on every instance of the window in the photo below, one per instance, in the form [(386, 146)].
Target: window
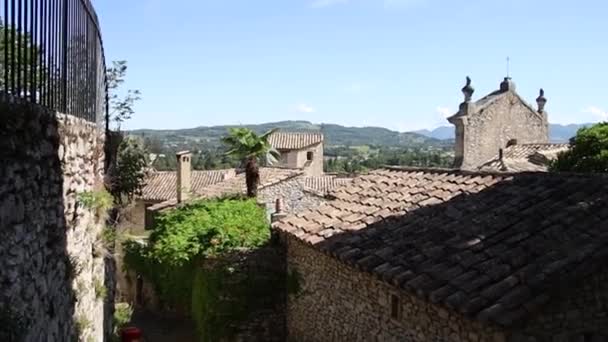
[(309, 156), (395, 307)]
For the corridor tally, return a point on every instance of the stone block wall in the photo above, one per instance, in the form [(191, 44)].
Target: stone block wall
[(295, 199), (479, 135), (338, 303), (51, 273)]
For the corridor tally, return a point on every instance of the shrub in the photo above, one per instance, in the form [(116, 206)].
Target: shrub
[(589, 152), (96, 200), (122, 315), (100, 289), (208, 228)]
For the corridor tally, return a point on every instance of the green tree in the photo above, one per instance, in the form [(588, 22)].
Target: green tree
[(121, 105), (588, 152), (25, 56), (250, 148), (130, 172)]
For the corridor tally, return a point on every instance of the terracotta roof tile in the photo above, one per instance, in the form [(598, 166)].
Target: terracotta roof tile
[(323, 184), (162, 185), (525, 157), (295, 140), (485, 244), (268, 176)]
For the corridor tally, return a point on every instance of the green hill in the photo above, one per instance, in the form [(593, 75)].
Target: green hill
[(335, 135)]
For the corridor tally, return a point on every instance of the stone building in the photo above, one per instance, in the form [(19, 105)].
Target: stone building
[(300, 150), (292, 187), (451, 255), (499, 119)]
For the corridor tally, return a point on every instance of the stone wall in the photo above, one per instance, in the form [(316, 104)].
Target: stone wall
[(295, 199), (52, 271), (479, 135), (338, 303)]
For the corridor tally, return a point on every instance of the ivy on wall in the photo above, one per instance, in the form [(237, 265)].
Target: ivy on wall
[(197, 257)]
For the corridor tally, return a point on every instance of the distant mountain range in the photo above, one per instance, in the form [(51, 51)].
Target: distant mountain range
[(335, 135), (557, 132)]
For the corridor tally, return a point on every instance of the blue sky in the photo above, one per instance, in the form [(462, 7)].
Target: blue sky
[(399, 64)]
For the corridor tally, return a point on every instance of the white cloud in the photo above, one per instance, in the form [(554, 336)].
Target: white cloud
[(444, 112), (304, 108), (327, 3), (600, 113)]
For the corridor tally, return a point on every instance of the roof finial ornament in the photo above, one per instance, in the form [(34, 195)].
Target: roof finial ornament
[(468, 90), (541, 100), (508, 67)]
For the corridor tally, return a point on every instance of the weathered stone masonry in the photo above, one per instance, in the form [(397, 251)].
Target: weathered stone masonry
[(339, 303), (48, 265)]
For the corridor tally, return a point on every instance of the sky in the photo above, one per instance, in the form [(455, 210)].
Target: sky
[(398, 64)]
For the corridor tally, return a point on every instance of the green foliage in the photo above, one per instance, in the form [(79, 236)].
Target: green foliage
[(589, 151), (244, 143), (108, 237), (184, 239), (29, 50), (249, 147), (100, 289), (344, 159), (226, 293), (130, 172), (81, 324), (208, 228), (121, 107), (122, 317), (172, 283), (99, 200)]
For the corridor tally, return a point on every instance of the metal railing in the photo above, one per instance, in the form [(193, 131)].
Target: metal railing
[(51, 53)]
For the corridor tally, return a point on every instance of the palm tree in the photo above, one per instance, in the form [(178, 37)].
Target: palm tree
[(250, 148)]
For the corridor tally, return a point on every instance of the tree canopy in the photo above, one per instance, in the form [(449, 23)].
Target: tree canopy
[(588, 153), (247, 146)]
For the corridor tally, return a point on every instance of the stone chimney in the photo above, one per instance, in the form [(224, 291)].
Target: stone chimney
[(184, 161), (278, 211)]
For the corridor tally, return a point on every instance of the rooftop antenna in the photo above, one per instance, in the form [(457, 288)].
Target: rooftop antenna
[(508, 65)]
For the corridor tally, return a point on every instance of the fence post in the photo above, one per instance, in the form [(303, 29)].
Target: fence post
[(64, 77)]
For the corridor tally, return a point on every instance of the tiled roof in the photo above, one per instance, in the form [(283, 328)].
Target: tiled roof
[(323, 184), (295, 140), (491, 246), (525, 157), (237, 185), (162, 185)]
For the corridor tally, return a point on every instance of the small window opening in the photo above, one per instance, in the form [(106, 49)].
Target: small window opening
[(309, 156), (395, 307), (512, 142)]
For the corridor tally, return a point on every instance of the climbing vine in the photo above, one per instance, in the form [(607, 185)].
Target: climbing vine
[(194, 258)]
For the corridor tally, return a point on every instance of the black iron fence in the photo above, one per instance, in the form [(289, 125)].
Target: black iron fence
[(51, 53)]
